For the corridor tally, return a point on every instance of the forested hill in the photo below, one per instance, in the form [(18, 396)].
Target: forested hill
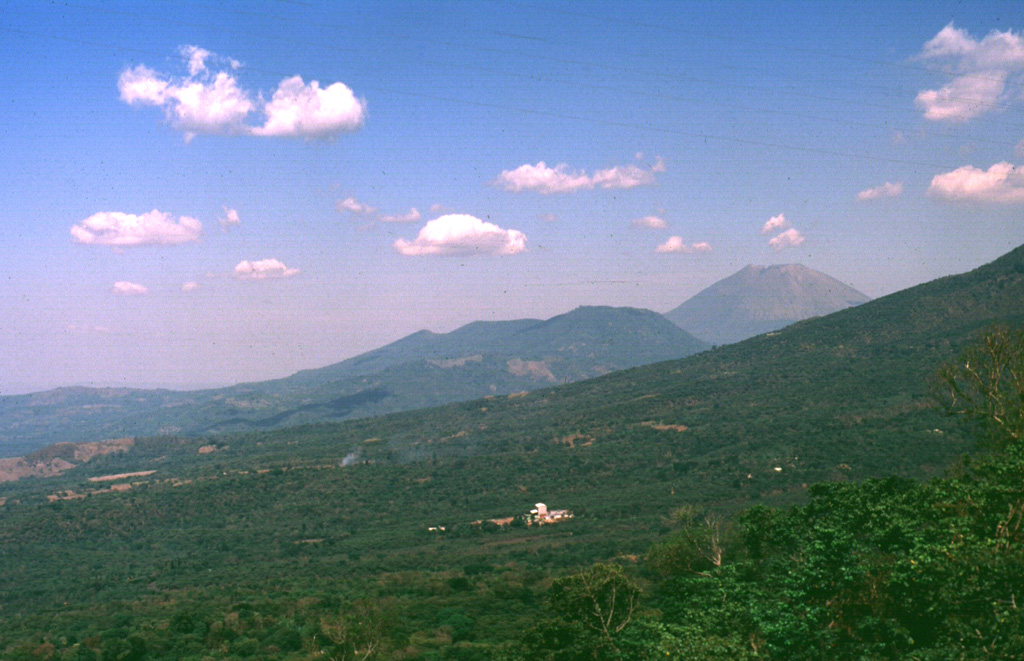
[(759, 299), (284, 544), (424, 369)]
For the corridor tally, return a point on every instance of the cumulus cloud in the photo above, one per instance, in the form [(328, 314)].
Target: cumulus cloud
[(124, 288), (121, 230), (787, 239), (775, 223), (559, 179), (543, 179), (263, 269), (885, 190), (207, 104), (230, 218), (986, 73), (462, 234), (675, 245), (410, 217), (1002, 183), (650, 222), (298, 110), (207, 101), (353, 205)]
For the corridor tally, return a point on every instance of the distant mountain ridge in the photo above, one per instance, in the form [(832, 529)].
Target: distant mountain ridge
[(423, 369), (760, 299)]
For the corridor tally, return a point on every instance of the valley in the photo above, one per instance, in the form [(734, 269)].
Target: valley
[(343, 510)]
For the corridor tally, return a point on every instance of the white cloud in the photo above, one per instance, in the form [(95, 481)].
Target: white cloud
[(210, 104), (543, 179), (142, 85), (623, 176), (885, 190), (982, 71), (196, 58), (775, 223), (659, 165), (962, 99), (298, 110), (353, 205), (560, 179), (410, 217), (206, 101), (263, 269), (650, 222), (789, 238), (547, 217), (230, 218), (461, 234), (675, 245), (436, 207), (124, 288), (1003, 183), (112, 228), (190, 286)]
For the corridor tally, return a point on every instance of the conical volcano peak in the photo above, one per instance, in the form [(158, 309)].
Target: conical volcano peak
[(757, 299)]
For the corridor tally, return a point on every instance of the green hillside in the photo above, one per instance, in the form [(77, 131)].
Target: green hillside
[(277, 544), (422, 370)]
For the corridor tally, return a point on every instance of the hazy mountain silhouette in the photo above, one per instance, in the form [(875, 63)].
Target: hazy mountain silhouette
[(759, 299)]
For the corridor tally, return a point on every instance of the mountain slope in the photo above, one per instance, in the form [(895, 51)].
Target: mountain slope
[(423, 369), (759, 299), (250, 526)]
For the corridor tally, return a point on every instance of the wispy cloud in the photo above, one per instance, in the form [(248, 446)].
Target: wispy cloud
[(547, 180), (650, 222), (353, 205), (122, 230), (986, 73), (775, 223), (190, 286), (1002, 183), (205, 101), (675, 245), (263, 269), (787, 239), (230, 219), (462, 234), (411, 217), (125, 288), (885, 190)]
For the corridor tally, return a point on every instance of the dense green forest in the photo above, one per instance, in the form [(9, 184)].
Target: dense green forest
[(777, 498)]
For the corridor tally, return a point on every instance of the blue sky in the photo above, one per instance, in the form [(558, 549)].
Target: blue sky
[(184, 207)]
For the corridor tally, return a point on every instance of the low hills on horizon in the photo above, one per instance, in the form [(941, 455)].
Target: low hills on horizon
[(421, 370), (428, 369)]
